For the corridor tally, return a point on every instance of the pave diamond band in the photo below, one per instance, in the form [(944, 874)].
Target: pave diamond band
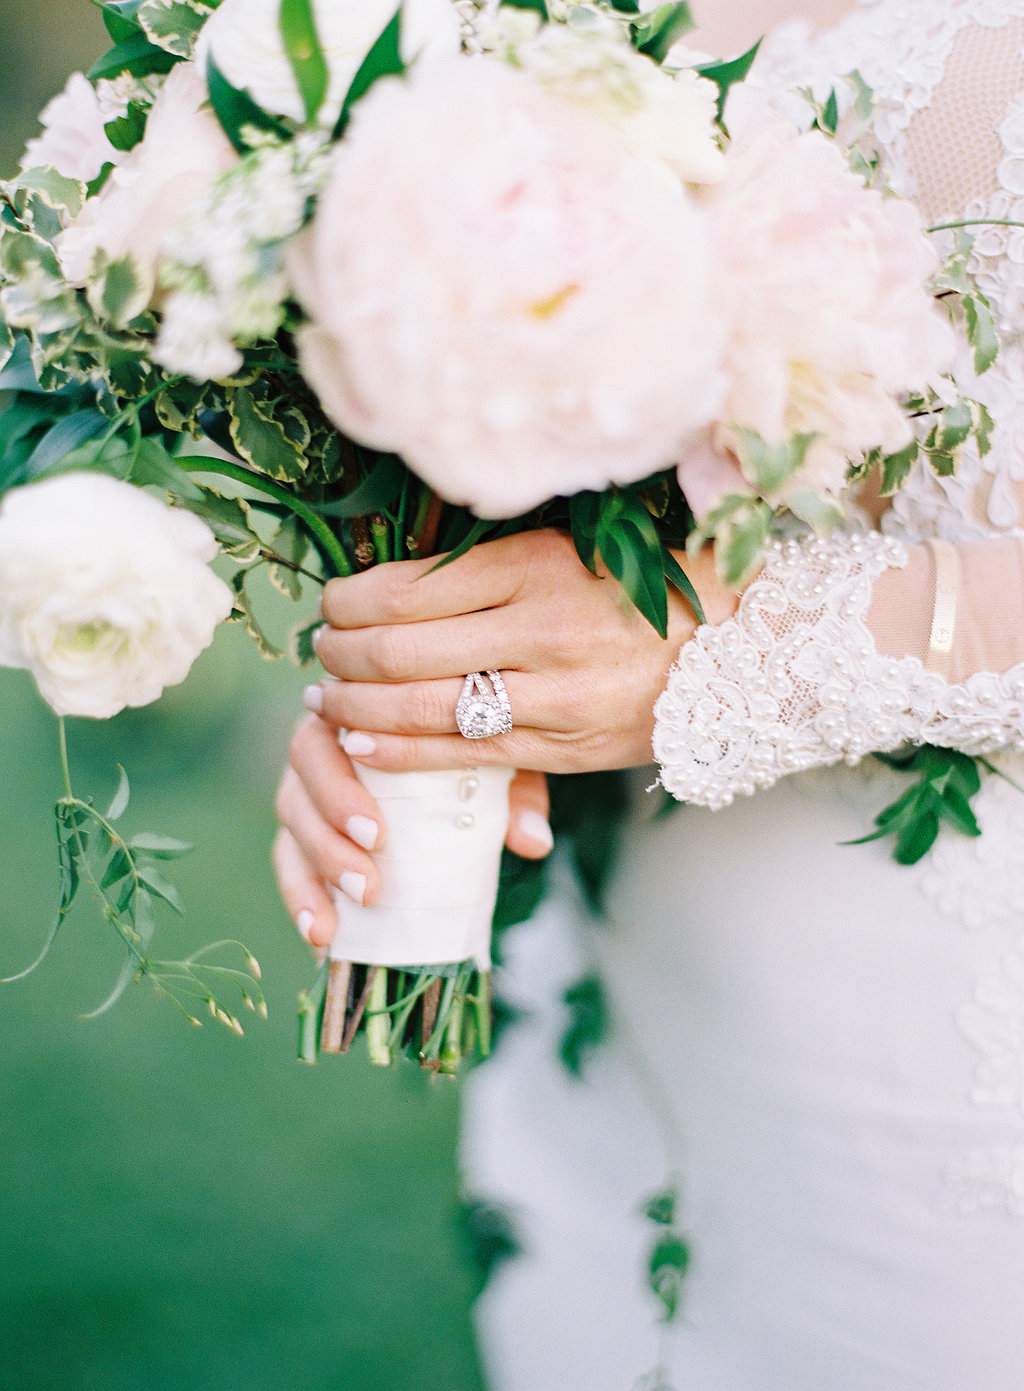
[(483, 707)]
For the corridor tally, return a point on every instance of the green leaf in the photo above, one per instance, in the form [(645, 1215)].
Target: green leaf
[(302, 46), (63, 437), (770, 466), (915, 840), (481, 530), (291, 542), (521, 886), (121, 291), (128, 972), (158, 885), (896, 468), (661, 1207), (677, 576), (262, 440), (245, 611), (537, 6), (118, 866), (956, 809), (134, 54), (740, 543), (119, 801), (981, 332), (160, 847), (822, 513), (300, 643), (666, 1271), (655, 34), (588, 1023), (378, 491), (644, 584), (119, 18), (955, 426), (174, 24), (383, 60), (235, 110), (728, 74)]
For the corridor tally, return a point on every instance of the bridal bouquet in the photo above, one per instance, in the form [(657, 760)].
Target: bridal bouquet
[(349, 284)]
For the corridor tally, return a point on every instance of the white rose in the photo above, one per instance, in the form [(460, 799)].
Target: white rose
[(244, 39), (503, 294), (181, 153), (106, 596)]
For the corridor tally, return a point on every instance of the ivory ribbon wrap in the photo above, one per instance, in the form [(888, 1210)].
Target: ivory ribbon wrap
[(439, 870)]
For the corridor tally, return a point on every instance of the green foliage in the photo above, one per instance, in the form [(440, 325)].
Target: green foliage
[(135, 54), (946, 782), (122, 872), (726, 74), (537, 6), (488, 1237), (302, 45), (669, 1256), (237, 113), (588, 811), (587, 1026), (657, 30), (173, 25), (383, 60)]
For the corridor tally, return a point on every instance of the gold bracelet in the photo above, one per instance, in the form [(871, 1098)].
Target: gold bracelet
[(947, 583)]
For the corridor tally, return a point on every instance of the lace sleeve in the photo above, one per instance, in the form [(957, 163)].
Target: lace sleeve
[(795, 681)]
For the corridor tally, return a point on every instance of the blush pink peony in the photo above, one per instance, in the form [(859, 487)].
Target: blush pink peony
[(832, 318), (502, 294)]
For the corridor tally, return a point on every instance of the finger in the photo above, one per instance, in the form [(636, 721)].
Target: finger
[(428, 707), (529, 832), (302, 891), (522, 748), (328, 777), (410, 591), (333, 856), (428, 650)]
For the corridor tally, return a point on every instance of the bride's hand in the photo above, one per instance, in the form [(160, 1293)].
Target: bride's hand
[(330, 825), (582, 667)]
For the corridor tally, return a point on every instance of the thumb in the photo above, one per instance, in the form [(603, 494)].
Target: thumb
[(529, 833)]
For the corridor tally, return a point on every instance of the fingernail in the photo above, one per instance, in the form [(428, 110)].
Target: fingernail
[(313, 699), (304, 922), (362, 830), (353, 886), (536, 828), (358, 745), (318, 635)]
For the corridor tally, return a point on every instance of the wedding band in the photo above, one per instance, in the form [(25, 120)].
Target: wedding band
[(483, 710)]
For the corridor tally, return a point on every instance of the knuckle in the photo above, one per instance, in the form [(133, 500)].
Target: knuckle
[(398, 597), (393, 653), (424, 712)]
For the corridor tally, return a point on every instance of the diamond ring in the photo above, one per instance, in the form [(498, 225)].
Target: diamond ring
[(483, 709)]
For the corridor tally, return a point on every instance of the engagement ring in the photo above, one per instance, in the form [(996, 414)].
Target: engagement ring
[(481, 710)]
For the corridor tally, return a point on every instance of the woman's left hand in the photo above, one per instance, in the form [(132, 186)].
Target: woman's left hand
[(582, 667)]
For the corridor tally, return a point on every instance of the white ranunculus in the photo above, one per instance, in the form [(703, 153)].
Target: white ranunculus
[(512, 301), (106, 595), (244, 39), (832, 318), (73, 141), (181, 153)]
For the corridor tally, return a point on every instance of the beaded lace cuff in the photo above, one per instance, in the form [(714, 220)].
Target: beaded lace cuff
[(793, 681)]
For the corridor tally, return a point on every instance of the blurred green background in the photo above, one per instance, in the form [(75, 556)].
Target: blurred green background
[(181, 1208)]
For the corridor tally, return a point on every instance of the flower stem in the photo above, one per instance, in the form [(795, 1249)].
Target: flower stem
[(378, 1026), (325, 537)]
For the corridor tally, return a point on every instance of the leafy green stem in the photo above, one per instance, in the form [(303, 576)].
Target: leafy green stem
[(323, 534)]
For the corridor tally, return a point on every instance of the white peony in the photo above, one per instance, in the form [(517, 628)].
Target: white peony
[(178, 158), (509, 299), (832, 317), (106, 596), (244, 39), (73, 141)]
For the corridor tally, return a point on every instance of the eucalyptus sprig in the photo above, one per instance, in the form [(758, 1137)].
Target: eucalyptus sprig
[(124, 874)]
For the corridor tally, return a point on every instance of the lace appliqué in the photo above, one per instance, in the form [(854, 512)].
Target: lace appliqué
[(793, 681)]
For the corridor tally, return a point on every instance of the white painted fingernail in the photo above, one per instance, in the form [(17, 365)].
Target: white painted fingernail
[(353, 886), (358, 745), (536, 828), (313, 699), (362, 830), (304, 922), (318, 635)]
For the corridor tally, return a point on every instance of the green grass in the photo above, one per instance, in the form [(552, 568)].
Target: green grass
[(181, 1208)]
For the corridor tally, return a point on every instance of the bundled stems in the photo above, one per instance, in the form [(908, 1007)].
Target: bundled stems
[(439, 1020)]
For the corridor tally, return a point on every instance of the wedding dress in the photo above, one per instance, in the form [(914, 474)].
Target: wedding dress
[(829, 1046)]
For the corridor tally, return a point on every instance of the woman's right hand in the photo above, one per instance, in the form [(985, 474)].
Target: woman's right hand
[(330, 825)]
